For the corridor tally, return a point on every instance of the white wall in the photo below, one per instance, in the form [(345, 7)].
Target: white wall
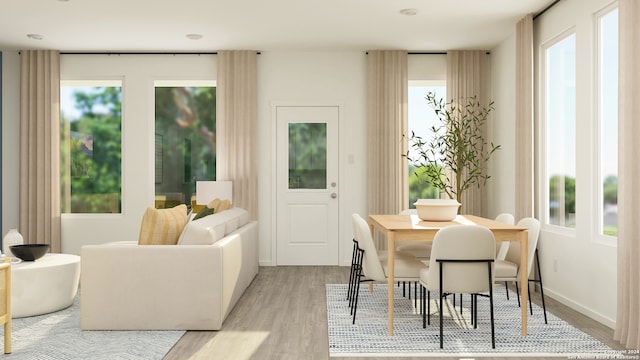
[(314, 78), (502, 128), (578, 268)]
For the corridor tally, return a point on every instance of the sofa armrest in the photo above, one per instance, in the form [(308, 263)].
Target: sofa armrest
[(125, 287)]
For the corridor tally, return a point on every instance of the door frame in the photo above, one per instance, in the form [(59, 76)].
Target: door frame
[(273, 105)]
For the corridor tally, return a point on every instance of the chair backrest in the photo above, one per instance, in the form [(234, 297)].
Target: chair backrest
[(506, 218), (371, 266), (513, 254), (503, 246), (408, 212), (462, 242)]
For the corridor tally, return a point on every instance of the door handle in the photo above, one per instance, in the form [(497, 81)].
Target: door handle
[(334, 195)]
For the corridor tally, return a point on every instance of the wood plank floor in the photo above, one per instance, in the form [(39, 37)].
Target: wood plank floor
[(282, 315)]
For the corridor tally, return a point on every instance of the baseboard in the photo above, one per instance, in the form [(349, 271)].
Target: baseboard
[(611, 323)]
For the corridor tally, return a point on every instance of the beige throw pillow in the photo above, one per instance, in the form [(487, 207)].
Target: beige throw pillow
[(162, 226)]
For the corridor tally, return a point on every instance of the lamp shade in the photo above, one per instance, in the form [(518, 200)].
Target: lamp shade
[(209, 190)]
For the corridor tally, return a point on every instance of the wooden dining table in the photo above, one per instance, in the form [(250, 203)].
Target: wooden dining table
[(412, 228)]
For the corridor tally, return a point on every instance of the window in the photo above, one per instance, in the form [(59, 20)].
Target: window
[(185, 145), (560, 119), (421, 119), (91, 143), (607, 40)]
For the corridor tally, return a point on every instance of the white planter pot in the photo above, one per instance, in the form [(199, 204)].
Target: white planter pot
[(437, 209)]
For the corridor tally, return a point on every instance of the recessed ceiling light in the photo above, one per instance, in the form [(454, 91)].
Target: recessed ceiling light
[(194, 36), (409, 12), (35, 36)]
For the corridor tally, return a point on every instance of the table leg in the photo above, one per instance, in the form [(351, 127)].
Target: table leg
[(524, 277), (390, 282)]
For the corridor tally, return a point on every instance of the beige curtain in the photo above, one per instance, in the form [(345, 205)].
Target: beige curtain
[(387, 93), (467, 77), (524, 118), (40, 147), (628, 301), (236, 126)]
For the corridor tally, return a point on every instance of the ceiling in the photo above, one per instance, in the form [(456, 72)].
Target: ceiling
[(301, 25)]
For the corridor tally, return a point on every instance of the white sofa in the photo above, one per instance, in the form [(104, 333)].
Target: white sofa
[(193, 285)]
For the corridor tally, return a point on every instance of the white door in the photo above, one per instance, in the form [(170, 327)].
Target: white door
[(307, 185)]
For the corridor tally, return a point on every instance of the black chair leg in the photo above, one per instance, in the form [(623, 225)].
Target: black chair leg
[(544, 307), (506, 287), (493, 335), (517, 293), (424, 305)]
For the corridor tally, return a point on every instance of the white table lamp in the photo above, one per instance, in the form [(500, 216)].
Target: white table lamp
[(209, 190)]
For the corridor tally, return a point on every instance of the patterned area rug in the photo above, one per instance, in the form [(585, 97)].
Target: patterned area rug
[(58, 336), (368, 337)]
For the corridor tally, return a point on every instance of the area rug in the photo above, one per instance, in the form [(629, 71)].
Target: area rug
[(58, 336), (368, 337)]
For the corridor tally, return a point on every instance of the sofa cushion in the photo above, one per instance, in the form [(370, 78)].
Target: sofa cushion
[(162, 226), (203, 231)]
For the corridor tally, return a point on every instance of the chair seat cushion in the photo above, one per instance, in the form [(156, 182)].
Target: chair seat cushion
[(418, 249), (505, 270), (405, 268)]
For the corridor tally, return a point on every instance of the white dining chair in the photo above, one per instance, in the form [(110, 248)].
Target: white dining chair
[(508, 270), (373, 267), (462, 262), (419, 249), (503, 246)]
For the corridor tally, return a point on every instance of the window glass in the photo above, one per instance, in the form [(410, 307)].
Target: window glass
[(560, 110), (185, 141), (91, 142), (608, 115), (421, 120), (307, 156)]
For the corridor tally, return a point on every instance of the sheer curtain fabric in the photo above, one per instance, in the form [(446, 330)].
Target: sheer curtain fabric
[(467, 77), (524, 118), (387, 94), (40, 147), (628, 301), (236, 126)]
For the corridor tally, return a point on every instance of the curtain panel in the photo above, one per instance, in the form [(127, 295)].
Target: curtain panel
[(236, 126), (467, 77), (524, 206), (40, 147), (387, 96), (628, 300)]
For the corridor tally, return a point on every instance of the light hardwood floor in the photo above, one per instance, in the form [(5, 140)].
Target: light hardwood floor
[(282, 315)]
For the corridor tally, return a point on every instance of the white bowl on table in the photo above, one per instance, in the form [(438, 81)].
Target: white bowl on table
[(437, 209)]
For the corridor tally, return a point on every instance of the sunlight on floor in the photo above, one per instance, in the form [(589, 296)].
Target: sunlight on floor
[(238, 345)]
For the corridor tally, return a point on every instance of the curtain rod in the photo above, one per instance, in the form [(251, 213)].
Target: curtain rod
[(545, 9), (139, 53), (433, 53)]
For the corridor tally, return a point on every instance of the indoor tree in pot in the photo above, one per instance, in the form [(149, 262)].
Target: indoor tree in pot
[(455, 157)]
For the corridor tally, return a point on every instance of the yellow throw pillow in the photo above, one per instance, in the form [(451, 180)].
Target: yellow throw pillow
[(222, 206), (162, 226)]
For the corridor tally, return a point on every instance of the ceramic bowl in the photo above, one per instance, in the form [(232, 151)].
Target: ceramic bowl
[(29, 252)]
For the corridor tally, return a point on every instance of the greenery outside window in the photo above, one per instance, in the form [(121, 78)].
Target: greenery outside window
[(91, 143), (185, 142)]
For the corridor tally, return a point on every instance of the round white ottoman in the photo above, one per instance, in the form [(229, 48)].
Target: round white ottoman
[(46, 285)]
